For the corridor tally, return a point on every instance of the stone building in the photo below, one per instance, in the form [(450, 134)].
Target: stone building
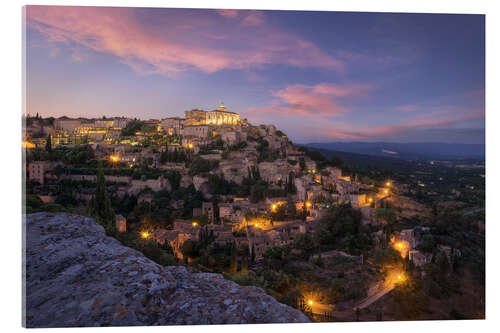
[(188, 227), (225, 210), (199, 131), (222, 234), (66, 124), (121, 122), (156, 185), (38, 169), (173, 125), (207, 209), (418, 258), (121, 223), (216, 117), (357, 200), (409, 236)]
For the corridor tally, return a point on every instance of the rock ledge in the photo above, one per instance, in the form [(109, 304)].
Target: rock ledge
[(77, 276)]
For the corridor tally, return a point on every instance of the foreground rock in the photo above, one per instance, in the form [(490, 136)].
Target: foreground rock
[(77, 276)]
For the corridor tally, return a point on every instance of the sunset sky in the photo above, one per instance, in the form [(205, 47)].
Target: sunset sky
[(318, 76)]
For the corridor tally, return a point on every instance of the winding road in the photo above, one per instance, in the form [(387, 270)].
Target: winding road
[(376, 292), (375, 297)]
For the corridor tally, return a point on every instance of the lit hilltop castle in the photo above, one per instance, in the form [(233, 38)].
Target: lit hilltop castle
[(217, 117)]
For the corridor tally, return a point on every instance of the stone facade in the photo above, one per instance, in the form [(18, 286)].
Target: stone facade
[(172, 125), (38, 169), (199, 131), (216, 117), (121, 223), (155, 184), (67, 125)]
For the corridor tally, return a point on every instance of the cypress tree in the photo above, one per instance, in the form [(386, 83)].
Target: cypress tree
[(304, 208), (233, 266), (244, 263), (48, 144), (100, 204)]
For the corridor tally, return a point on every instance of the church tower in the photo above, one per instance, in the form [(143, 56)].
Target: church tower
[(222, 107)]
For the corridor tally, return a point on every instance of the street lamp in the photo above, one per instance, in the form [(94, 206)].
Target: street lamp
[(400, 277), (145, 234)]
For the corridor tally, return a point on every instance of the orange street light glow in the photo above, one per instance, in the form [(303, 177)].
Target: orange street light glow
[(190, 145), (27, 144), (310, 302), (273, 207), (114, 158), (401, 277), (388, 184), (308, 204), (145, 234), (194, 224)]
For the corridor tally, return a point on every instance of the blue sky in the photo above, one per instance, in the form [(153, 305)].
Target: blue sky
[(319, 76)]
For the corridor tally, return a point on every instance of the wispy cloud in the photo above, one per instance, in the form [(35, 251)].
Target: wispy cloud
[(378, 132), (323, 100), (199, 41), (227, 12), (254, 18)]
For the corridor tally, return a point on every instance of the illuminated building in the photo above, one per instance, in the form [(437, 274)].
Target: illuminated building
[(28, 145), (172, 125), (66, 124), (218, 117)]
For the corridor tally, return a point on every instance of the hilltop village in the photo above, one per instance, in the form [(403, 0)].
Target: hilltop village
[(215, 193)]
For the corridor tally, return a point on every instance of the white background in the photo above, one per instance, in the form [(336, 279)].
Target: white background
[(10, 156)]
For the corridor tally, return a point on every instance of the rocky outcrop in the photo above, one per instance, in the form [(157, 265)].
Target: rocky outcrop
[(77, 276)]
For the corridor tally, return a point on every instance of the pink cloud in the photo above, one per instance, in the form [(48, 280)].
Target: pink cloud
[(250, 17), (227, 12), (324, 99), (254, 18), (383, 131), (179, 42)]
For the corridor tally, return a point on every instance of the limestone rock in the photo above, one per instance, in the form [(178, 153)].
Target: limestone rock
[(77, 276)]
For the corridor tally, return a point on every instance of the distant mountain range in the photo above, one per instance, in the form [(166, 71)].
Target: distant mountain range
[(407, 151)]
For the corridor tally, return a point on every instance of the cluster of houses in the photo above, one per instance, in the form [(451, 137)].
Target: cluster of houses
[(407, 240), (257, 239), (197, 124), (311, 184), (195, 132)]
